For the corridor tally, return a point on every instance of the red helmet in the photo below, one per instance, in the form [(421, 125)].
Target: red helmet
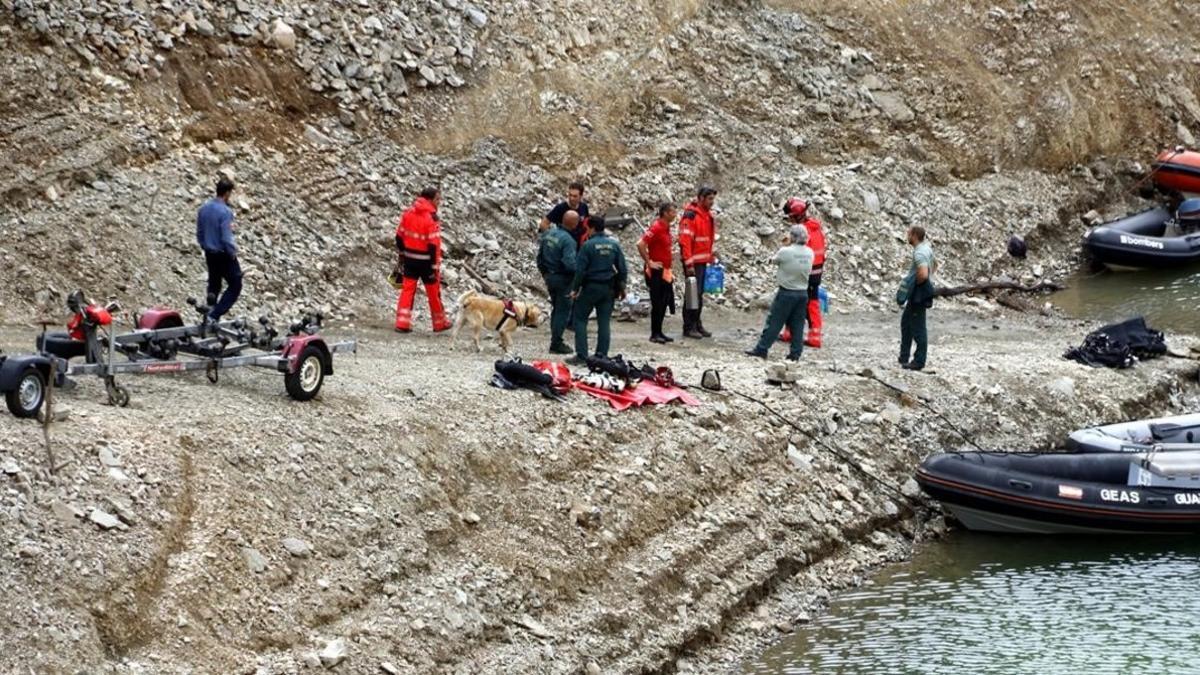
[(795, 207)]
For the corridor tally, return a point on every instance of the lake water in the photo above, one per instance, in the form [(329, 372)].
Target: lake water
[(1002, 604), (1169, 299)]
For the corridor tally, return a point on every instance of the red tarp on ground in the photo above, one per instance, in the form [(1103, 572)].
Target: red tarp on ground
[(646, 392)]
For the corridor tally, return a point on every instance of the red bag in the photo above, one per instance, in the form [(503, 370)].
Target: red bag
[(558, 371)]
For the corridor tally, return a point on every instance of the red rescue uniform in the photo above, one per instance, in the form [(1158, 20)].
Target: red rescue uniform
[(658, 242), (816, 241), (697, 230), (419, 239)]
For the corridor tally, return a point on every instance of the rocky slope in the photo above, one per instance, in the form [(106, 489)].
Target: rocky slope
[(118, 116), (250, 533), (419, 520)]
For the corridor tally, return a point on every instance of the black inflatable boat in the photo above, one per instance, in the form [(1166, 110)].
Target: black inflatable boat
[(1181, 431), (1064, 493), (1142, 241)]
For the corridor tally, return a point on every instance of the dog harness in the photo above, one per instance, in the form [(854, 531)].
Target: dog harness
[(510, 312)]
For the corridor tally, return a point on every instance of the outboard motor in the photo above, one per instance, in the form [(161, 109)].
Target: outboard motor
[(1187, 216)]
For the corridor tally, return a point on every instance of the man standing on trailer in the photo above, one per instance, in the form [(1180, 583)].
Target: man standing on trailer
[(214, 233), (419, 239)]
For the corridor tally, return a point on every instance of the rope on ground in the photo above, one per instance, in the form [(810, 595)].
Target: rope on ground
[(850, 461), (868, 375)]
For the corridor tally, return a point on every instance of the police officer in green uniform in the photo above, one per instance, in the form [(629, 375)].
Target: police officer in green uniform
[(556, 262), (600, 275)]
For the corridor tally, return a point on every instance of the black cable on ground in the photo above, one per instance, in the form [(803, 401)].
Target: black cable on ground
[(850, 461), (928, 406)]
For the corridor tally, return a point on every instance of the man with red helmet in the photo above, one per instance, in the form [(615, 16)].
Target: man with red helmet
[(419, 239), (697, 234), (797, 213)]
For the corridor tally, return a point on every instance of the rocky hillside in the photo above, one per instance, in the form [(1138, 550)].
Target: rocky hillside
[(117, 116)]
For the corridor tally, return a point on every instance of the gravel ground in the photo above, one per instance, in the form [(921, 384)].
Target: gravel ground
[(419, 519)]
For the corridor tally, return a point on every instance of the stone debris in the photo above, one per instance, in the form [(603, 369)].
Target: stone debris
[(334, 653), (105, 520), (616, 533), (297, 547), (254, 560)]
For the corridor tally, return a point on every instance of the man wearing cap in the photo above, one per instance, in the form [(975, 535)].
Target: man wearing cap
[(697, 233)]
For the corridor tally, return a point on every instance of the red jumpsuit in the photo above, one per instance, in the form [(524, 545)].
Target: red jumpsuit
[(816, 241), (420, 242), (697, 231)]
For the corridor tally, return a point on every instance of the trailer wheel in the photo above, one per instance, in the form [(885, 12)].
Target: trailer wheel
[(117, 395), (305, 382), (29, 395)]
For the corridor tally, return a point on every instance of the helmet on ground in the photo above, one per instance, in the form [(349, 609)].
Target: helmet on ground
[(1189, 210), (795, 207), (1017, 247)]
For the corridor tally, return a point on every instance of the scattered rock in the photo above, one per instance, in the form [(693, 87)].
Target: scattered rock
[(105, 520), (255, 561), (297, 547), (283, 36), (1063, 386), (334, 653)]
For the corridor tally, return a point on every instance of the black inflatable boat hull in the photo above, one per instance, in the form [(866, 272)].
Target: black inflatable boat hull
[(1055, 494), (1138, 435), (1137, 242)]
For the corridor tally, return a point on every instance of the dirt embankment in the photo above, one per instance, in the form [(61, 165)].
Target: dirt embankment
[(434, 524)]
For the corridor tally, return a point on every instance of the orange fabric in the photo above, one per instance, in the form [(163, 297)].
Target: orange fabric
[(645, 393), (813, 337), (420, 233), (408, 295), (697, 230), (816, 240)]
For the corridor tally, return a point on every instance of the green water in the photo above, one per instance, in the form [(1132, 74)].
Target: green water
[(1002, 604), (1169, 299)]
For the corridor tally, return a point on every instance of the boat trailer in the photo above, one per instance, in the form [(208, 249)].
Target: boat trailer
[(162, 343)]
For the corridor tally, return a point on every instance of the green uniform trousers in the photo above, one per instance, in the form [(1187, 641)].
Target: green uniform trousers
[(599, 296), (559, 288)]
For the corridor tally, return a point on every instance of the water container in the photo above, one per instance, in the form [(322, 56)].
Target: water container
[(823, 297), (714, 279), (691, 294)]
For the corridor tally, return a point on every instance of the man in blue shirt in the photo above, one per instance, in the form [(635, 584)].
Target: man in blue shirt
[(214, 233)]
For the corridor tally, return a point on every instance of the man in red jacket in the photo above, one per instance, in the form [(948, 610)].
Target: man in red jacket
[(655, 249), (697, 233), (419, 239), (797, 212)]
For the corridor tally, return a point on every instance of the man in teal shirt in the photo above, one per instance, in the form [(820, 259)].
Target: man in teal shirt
[(600, 275), (916, 295), (556, 262)]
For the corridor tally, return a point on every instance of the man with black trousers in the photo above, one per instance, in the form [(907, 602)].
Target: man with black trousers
[(697, 234), (214, 233), (655, 249)]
